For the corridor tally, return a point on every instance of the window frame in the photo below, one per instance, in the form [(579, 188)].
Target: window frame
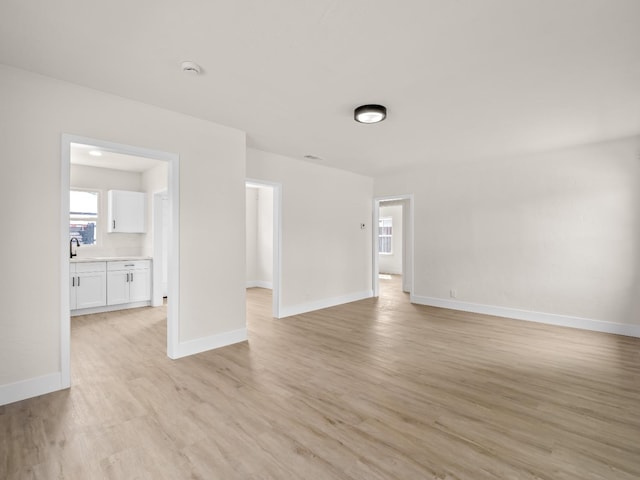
[(381, 235), (98, 234)]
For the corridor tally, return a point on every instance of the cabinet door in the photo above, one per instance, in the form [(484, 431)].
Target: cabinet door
[(90, 290), (117, 287), (72, 290), (140, 285), (126, 211)]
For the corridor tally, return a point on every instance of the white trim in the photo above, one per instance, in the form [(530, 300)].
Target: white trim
[(531, 316), (109, 308), (157, 295), (65, 307), (325, 303), (375, 270), (277, 250), (276, 286), (391, 271), (191, 347), (259, 284), (407, 235), (32, 387), (173, 263)]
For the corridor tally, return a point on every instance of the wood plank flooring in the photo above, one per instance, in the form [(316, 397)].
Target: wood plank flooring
[(377, 389)]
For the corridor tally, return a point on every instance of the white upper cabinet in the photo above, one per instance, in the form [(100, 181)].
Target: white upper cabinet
[(126, 211)]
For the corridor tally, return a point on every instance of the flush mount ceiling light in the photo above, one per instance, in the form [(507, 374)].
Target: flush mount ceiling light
[(95, 153), (370, 113), (191, 68)]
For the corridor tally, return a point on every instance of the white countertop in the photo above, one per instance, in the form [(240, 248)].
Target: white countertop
[(106, 259)]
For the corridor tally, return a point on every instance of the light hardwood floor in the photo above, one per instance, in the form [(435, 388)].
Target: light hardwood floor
[(377, 389)]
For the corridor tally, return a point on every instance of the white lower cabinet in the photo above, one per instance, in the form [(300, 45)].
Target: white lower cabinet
[(128, 282), (101, 285), (87, 285)]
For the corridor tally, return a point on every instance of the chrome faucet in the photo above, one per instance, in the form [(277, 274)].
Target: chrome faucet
[(71, 252)]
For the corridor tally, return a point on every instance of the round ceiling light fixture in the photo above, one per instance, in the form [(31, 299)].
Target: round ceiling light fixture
[(191, 68), (370, 113)]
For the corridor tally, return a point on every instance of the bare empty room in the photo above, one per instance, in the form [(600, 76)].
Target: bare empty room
[(397, 240)]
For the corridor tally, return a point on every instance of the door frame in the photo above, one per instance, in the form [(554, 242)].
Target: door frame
[(407, 237), (277, 241), (157, 226), (173, 307)]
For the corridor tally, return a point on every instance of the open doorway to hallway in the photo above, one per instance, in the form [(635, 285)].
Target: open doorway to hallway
[(393, 245), (263, 240), (390, 246)]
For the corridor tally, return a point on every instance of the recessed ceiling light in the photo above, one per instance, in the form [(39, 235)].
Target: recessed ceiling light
[(370, 113), (191, 68), (95, 153)]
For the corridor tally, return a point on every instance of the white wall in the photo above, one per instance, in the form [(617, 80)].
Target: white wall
[(392, 263), (551, 233), (104, 179), (35, 112), (259, 237), (154, 180), (264, 244), (326, 257), (251, 236)]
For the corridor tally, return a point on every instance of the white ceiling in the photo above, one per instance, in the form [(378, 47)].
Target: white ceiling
[(79, 155), (463, 80)]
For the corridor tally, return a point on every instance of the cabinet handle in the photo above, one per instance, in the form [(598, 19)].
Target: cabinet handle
[(132, 276), (78, 281), (127, 278), (114, 224), (73, 281)]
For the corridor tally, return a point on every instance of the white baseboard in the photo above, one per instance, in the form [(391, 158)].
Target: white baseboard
[(32, 387), (109, 308), (287, 311), (259, 284), (191, 347), (530, 316)]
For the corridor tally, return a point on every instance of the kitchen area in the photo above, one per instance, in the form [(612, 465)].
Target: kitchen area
[(112, 223)]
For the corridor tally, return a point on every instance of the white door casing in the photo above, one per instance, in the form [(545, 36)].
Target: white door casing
[(277, 241), (173, 307), (408, 242)]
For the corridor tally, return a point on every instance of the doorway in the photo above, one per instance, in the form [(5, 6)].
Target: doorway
[(393, 242), (263, 243), (161, 239), (70, 142)]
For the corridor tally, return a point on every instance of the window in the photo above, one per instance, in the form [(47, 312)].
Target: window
[(83, 216), (385, 234)]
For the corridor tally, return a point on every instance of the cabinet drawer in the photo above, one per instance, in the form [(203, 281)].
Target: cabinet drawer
[(83, 267), (129, 265)]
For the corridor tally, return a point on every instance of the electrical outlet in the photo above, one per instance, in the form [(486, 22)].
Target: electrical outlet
[(453, 293)]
